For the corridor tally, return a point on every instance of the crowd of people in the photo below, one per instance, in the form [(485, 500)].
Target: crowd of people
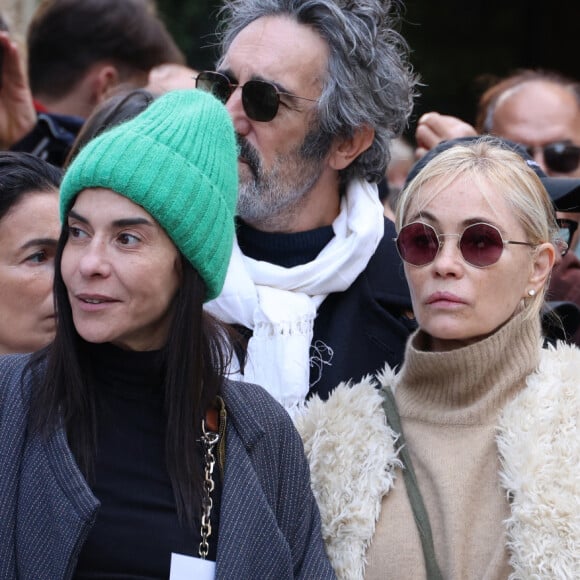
[(248, 331)]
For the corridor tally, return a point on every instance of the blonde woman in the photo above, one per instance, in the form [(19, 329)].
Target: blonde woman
[(475, 472)]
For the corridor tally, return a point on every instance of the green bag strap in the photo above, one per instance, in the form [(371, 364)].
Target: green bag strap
[(415, 498)]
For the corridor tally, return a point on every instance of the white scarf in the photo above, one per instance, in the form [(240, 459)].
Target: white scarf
[(280, 304)]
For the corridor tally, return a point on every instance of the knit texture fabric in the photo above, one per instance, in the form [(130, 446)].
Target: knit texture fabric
[(526, 488), (178, 160), (450, 403)]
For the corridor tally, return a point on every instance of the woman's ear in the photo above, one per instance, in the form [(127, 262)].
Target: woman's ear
[(544, 258), (345, 150)]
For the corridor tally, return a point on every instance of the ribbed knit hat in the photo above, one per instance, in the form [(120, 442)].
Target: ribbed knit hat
[(178, 160)]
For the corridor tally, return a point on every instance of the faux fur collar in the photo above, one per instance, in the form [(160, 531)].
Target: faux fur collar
[(539, 446), (352, 461)]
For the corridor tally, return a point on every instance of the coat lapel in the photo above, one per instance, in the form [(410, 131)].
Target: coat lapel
[(250, 543)]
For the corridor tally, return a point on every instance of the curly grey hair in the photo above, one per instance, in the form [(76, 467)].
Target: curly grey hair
[(369, 78)]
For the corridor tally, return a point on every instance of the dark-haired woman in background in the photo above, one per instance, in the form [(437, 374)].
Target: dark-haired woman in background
[(29, 230)]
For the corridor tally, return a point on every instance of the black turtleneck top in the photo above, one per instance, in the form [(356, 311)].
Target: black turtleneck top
[(137, 528), (285, 250)]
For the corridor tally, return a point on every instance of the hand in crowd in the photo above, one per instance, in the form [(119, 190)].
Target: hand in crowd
[(17, 114), (170, 77), (433, 128)]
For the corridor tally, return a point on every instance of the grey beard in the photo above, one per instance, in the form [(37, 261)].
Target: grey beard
[(278, 193), (264, 200)]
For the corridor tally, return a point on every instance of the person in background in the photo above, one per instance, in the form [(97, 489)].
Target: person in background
[(463, 464), (78, 52), (538, 109), (17, 114), (171, 77), (118, 108), (316, 91), (523, 107), (541, 111), (125, 450), (400, 163), (29, 230)]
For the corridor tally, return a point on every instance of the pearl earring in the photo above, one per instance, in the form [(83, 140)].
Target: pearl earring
[(531, 292)]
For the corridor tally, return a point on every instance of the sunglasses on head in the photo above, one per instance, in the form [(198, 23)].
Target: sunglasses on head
[(260, 99), (560, 156), (480, 244)]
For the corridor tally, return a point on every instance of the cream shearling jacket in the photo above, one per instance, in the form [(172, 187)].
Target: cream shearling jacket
[(353, 464)]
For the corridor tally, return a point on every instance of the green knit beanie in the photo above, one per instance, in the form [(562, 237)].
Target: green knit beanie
[(178, 160)]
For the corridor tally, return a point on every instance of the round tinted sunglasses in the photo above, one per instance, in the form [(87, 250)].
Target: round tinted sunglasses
[(481, 244), (260, 99), (560, 156)]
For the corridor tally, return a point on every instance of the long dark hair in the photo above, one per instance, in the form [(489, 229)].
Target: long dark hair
[(196, 355)]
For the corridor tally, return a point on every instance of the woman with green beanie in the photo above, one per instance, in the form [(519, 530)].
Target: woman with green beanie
[(126, 453)]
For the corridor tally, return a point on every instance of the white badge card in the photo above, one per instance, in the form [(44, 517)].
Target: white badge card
[(190, 568)]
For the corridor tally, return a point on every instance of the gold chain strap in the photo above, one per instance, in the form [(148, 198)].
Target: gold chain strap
[(209, 441)]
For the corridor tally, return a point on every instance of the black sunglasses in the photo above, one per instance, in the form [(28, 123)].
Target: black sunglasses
[(567, 230), (260, 99), (560, 156), (481, 244)]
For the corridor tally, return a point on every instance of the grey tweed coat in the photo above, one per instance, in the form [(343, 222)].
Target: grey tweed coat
[(269, 521)]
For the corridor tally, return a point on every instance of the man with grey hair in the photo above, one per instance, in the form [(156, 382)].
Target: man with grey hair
[(316, 89)]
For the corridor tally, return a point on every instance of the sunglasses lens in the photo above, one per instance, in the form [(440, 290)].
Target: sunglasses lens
[(564, 232), (215, 83), (481, 245), (260, 100), (562, 157), (417, 244), (567, 230)]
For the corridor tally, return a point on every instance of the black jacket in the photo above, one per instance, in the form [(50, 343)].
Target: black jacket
[(51, 138), (357, 331)]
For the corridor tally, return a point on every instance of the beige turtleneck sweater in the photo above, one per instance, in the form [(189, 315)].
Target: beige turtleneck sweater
[(449, 404)]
